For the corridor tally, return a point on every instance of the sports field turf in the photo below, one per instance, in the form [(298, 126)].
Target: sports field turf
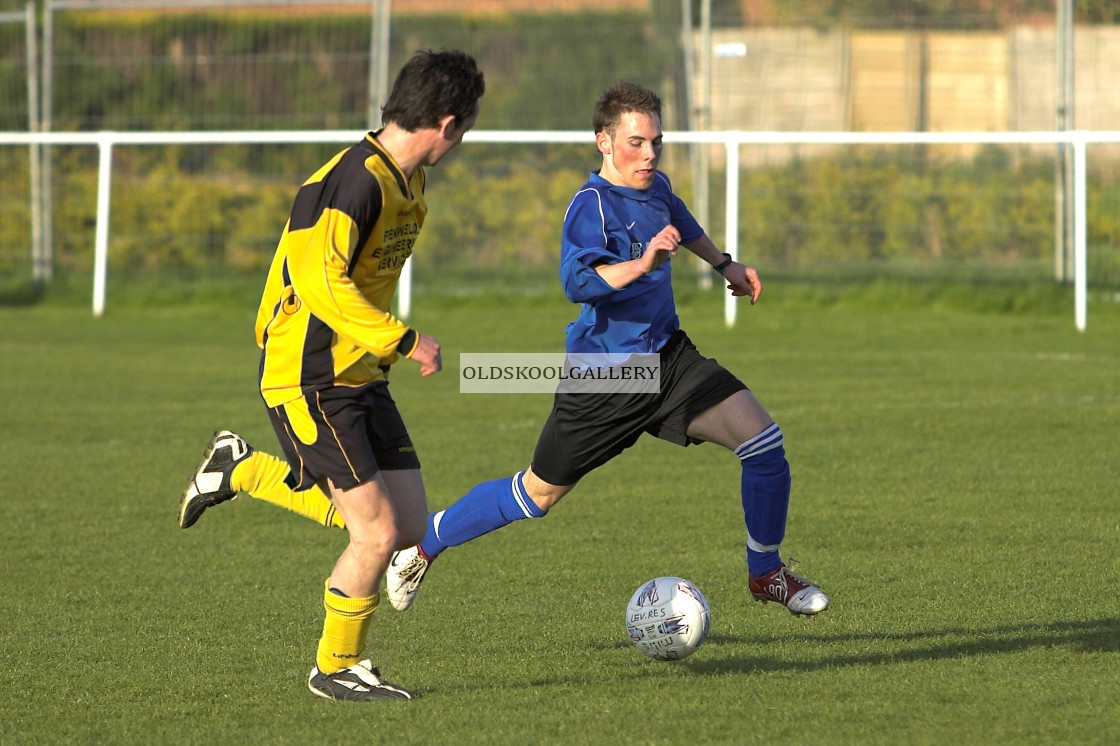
[(956, 494)]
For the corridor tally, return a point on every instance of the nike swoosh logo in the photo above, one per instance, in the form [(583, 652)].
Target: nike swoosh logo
[(631, 225)]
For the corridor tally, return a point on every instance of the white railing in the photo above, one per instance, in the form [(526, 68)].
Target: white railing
[(732, 141)]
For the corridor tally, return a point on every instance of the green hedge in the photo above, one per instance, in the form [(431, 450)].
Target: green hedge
[(489, 211), (874, 204)]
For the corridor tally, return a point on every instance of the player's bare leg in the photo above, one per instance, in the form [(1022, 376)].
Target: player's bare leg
[(374, 520)]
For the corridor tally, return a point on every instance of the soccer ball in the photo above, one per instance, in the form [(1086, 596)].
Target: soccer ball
[(668, 618)]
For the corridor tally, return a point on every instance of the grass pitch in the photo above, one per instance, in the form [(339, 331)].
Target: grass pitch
[(955, 493)]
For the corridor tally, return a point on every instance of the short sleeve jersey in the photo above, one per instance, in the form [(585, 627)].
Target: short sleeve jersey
[(608, 223), (324, 317)]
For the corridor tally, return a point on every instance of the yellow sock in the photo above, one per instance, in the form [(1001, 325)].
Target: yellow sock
[(262, 475), (344, 630)]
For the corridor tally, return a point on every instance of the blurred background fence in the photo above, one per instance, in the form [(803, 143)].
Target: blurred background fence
[(194, 213)]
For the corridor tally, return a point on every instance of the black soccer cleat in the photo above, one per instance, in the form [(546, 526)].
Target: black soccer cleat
[(359, 683), (210, 484)]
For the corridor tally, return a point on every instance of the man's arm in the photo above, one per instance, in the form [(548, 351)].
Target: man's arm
[(661, 248), (318, 260), (583, 248), (741, 279)]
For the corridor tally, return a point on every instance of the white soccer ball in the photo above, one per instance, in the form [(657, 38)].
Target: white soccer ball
[(668, 618)]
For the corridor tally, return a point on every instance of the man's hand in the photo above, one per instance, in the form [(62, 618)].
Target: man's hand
[(743, 280), (427, 354), (661, 247)]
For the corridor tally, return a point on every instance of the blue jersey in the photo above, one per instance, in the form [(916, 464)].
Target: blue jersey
[(612, 224)]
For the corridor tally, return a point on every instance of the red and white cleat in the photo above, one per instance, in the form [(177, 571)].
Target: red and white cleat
[(790, 590)]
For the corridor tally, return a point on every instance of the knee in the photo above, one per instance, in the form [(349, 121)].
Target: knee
[(374, 538), (767, 440), (545, 495), (373, 549)]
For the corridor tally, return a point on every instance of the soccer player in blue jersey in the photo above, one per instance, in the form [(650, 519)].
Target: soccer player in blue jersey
[(620, 232)]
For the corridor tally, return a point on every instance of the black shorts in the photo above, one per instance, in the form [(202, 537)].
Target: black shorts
[(585, 431), (342, 433)]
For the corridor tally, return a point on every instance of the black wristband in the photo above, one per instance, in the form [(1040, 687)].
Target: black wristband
[(724, 264), (408, 343)]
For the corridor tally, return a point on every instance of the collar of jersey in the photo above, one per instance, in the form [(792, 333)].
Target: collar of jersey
[(397, 171), (642, 195)]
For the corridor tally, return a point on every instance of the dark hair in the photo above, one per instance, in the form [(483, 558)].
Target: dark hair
[(432, 85), (620, 98)]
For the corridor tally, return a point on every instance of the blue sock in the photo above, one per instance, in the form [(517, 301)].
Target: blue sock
[(488, 506), (765, 491)]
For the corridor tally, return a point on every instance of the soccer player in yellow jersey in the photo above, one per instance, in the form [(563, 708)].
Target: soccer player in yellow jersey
[(327, 340)]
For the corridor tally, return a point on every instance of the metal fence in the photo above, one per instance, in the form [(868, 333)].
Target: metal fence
[(142, 65)]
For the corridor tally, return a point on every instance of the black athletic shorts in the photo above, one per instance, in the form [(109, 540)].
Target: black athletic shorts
[(585, 431), (344, 433)]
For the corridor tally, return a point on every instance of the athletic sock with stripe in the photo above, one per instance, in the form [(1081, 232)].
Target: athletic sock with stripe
[(765, 493), (488, 506)]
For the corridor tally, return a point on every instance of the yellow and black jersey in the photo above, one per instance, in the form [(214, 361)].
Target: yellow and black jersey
[(324, 318)]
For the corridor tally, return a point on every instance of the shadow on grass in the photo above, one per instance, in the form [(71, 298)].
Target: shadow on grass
[(1095, 636)]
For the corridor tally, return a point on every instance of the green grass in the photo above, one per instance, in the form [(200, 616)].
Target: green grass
[(955, 492)]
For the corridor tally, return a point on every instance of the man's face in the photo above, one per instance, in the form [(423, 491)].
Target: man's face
[(630, 157), (451, 136)]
